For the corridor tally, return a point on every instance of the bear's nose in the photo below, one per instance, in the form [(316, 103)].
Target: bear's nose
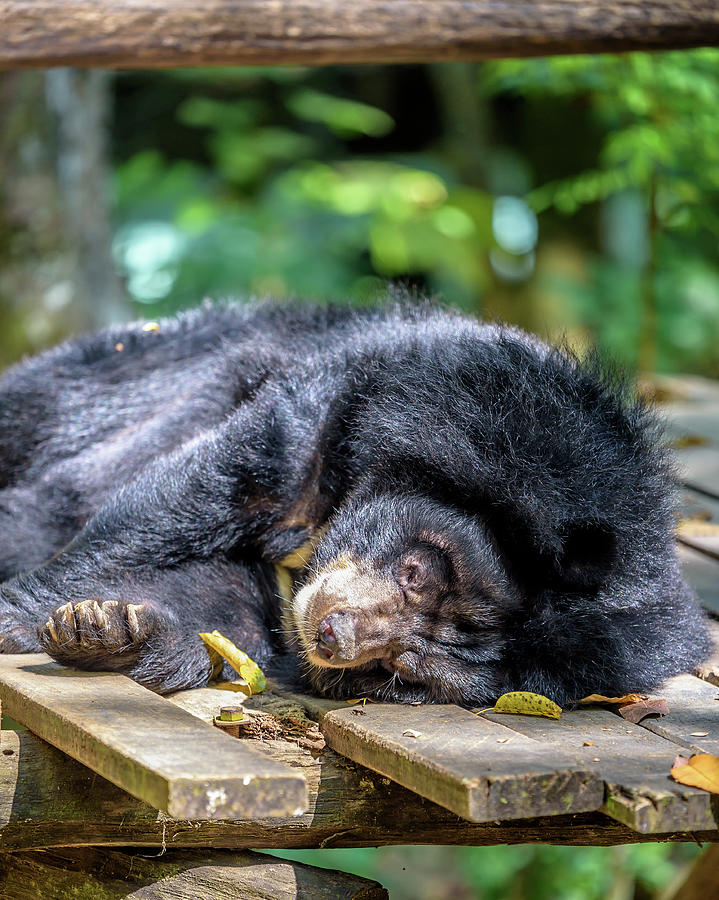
[(326, 639)]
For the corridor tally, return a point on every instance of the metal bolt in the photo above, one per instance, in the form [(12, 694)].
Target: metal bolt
[(231, 714)]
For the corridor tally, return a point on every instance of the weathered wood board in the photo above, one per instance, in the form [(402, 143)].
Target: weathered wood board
[(65, 874), (701, 532), (349, 807), (477, 769), (692, 417), (163, 33), (146, 745), (634, 764), (702, 573), (693, 719)]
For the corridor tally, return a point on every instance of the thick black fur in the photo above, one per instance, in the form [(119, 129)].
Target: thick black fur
[(151, 479)]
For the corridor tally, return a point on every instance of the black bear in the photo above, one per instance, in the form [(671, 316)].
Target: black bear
[(465, 509)]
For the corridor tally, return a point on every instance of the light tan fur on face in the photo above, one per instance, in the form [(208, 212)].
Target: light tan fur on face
[(341, 587)]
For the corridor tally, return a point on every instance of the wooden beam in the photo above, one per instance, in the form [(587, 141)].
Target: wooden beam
[(135, 34), (634, 764), (478, 769), (693, 720), (145, 744), (48, 800), (210, 875)]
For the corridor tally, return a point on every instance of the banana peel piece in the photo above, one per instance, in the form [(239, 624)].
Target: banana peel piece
[(220, 647)]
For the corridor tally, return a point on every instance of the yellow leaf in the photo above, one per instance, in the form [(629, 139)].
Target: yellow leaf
[(627, 698), (240, 661), (525, 703), (702, 771)]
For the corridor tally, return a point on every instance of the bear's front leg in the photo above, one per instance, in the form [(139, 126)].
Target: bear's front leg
[(135, 639), (148, 627)]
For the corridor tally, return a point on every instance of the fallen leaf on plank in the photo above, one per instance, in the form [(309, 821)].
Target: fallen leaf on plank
[(699, 734), (635, 712), (410, 732), (525, 703), (612, 701), (242, 664), (700, 771)]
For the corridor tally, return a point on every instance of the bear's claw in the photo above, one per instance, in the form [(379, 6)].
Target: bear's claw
[(92, 631)]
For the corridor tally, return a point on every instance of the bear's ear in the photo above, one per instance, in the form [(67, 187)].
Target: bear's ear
[(588, 554), (424, 569)]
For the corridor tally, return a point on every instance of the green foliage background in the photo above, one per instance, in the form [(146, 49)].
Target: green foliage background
[(282, 181)]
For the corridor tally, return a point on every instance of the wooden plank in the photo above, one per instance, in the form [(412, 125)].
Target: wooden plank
[(91, 872), (705, 510), (477, 769), (165, 33), (634, 764), (146, 745), (692, 411), (702, 573), (709, 669), (699, 468), (693, 719), (49, 800)]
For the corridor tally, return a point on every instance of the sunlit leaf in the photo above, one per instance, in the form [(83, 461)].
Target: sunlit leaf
[(526, 703), (612, 701), (700, 771), (240, 661)]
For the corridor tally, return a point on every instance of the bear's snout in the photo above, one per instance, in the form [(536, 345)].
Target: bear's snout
[(344, 616)]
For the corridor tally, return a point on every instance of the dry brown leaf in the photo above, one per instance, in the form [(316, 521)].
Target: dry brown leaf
[(700, 771), (652, 706), (525, 703), (612, 701)]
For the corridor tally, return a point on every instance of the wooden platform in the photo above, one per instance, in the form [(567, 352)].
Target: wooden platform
[(134, 769)]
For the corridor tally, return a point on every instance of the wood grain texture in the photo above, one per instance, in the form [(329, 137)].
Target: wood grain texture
[(702, 573), (693, 720), (164, 33), (701, 509), (146, 745), (478, 769), (709, 669), (634, 764), (48, 800), (690, 405), (105, 875)]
